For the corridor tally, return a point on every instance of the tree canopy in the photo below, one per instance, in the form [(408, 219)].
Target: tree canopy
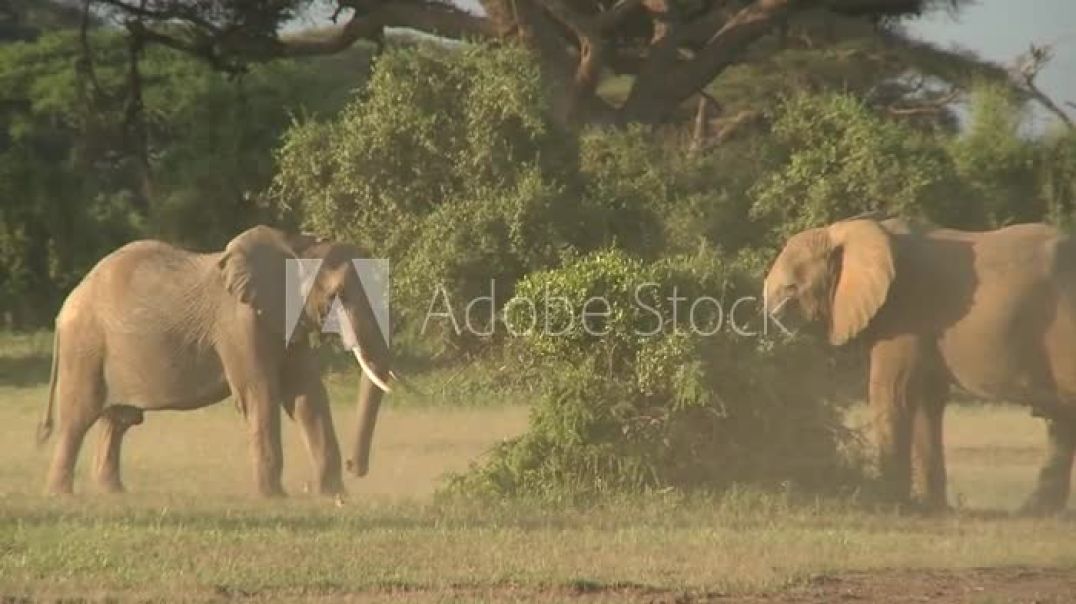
[(672, 49)]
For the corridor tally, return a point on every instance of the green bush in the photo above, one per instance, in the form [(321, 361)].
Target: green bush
[(71, 189), (838, 158), (996, 161), (447, 165), (1057, 177), (660, 198), (642, 397), (58, 213)]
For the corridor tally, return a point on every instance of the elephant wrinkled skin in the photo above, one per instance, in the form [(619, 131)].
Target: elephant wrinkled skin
[(155, 327), (993, 312)]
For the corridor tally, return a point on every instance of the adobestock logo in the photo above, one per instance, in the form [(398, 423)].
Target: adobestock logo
[(300, 275), (660, 312)]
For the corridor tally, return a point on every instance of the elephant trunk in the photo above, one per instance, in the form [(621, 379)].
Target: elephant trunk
[(368, 405), (775, 299), (768, 302), (371, 353), (771, 300)]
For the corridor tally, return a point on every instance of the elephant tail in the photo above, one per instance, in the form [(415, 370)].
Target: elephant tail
[(44, 429)]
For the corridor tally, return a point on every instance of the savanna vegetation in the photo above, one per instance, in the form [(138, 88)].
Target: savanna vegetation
[(674, 144)]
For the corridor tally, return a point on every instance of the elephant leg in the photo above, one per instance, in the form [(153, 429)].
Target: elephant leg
[(893, 396), (251, 366), (1055, 477), (928, 447), (308, 402), (80, 396), (263, 422), (115, 420)]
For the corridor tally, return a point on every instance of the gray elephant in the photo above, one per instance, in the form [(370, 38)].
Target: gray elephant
[(994, 312), (155, 327)]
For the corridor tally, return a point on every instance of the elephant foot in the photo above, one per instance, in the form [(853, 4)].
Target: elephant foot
[(331, 488), (112, 486), (275, 491), (59, 490), (60, 484), (325, 489)]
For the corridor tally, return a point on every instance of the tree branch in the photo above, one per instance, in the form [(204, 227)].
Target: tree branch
[(330, 40), (581, 25), (675, 48), (439, 19), (85, 66), (175, 12), (135, 129), (590, 42), (202, 48), (728, 128), (1028, 68), (660, 88), (611, 18), (228, 48), (929, 106), (1049, 104)]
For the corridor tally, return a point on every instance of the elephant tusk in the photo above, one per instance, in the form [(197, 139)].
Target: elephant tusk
[(368, 371)]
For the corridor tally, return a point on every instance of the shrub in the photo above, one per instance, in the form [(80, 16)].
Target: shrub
[(71, 189), (637, 399), (447, 164), (659, 198), (58, 214), (1057, 177), (996, 162), (837, 158)]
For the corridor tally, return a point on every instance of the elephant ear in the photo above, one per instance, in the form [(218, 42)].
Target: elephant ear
[(865, 257), (254, 270)]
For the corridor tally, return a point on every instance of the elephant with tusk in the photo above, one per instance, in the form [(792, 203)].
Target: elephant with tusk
[(155, 327), (993, 312)]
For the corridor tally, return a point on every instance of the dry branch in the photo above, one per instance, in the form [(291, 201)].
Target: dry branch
[(940, 103), (1027, 69)]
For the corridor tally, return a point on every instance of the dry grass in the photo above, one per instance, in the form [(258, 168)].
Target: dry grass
[(191, 528), (205, 451)]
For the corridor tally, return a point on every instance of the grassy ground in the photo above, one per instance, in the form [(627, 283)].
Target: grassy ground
[(191, 529)]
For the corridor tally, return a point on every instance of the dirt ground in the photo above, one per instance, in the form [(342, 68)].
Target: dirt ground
[(1013, 585), (1009, 585)]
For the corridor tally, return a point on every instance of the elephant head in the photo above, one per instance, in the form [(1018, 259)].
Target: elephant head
[(839, 275), (254, 266)]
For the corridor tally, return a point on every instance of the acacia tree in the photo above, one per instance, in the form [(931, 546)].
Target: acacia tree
[(671, 48)]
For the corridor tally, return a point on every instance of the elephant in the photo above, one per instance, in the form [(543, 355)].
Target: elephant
[(992, 312), (155, 327)]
